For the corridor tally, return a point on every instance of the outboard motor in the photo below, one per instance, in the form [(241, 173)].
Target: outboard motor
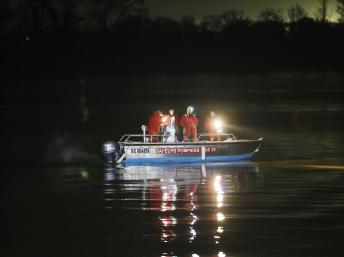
[(111, 151)]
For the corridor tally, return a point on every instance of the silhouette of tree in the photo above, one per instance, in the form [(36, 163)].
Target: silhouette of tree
[(212, 23), (46, 16), (188, 22), (236, 24), (269, 28), (340, 10), (69, 17), (189, 27), (296, 13), (167, 30), (64, 33), (5, 16), (108, 12), (22, 20), (38, 14), (322, 11), (271, 15), (234, 16), (307, 26)]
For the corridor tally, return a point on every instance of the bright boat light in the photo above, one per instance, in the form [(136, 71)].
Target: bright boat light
[(218, 124)]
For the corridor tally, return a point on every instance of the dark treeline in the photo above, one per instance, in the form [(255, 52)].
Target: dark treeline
[(74, 37)]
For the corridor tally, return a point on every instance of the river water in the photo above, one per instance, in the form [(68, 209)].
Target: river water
[(287, 202), (242, 209)]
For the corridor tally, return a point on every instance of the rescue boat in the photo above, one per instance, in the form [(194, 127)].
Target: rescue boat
[(140, 149)]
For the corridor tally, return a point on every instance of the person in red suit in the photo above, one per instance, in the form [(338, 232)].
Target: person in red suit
[(189, 122), (154, 124), (211, 124)]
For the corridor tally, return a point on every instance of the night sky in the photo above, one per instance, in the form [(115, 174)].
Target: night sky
[(198, 8)]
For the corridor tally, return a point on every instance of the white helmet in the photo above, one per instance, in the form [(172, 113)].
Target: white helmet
[(189, 110)]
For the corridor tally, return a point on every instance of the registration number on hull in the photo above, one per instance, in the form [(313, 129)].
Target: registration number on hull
[(139, 150)]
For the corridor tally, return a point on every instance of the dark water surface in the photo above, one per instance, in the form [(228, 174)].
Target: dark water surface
[(246, 209), (59, 199)]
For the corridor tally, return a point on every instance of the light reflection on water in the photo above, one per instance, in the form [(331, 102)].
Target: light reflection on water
[(233, 209), (181, 196)]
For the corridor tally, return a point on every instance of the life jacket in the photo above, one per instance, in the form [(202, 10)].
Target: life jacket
[(154, 123), (189, 121), (209, 123), (172, 121)]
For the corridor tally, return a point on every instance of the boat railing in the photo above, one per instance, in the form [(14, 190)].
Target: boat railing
[(141, 138), (222, 136)]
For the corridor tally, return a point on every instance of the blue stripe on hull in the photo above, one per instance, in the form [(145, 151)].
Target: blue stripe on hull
[(190, 159)]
